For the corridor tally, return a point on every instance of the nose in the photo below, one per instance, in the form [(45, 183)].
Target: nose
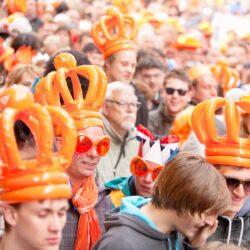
[(175, 94), (239, 191), (148, 178), (54, 224), (214, 91), (92, 152)]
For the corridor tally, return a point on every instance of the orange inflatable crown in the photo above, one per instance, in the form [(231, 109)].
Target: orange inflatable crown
[(124, 6), (223, 150), (114, 32), (17, 6), (187, 42), (226, 76), (197, 71), (84, 111), (41, 177)]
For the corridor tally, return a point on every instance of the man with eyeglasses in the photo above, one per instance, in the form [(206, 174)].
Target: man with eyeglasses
[(119, 115), (176, 96), (229, 153)]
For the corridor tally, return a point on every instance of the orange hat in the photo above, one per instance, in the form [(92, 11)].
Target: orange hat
[(124, 6), (85, 112), (4, 52), (23, 55), (16, 6), (187, 42), (41, 177), (206, 28), (225, 75), (114, 32), (197, 71), (229, 149)]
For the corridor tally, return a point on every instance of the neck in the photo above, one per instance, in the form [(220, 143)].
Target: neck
[(75, 180), (161, 218), (119, 131), (229, 214), (11, 241)]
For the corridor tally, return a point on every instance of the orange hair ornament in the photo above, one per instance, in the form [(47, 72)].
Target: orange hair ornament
[(187, 42), (229, 149), (17, 6), (125, 6), (41, 177), (114, 32), (84, 111), (225, 75), (197, 71)]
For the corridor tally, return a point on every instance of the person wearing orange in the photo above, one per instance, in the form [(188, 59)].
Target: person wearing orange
[(34, 191), (88, 204), (114, 34), (229, 153), (145, 167)]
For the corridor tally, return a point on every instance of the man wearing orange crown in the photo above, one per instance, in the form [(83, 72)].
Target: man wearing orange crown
[(230, 155), (88, 204), (145, 168), (35, 191), (117, 45)]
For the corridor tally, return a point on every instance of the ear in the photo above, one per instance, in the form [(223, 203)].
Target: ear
[(10, 215)]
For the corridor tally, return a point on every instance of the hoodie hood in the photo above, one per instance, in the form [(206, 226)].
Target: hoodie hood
[(129, 215)]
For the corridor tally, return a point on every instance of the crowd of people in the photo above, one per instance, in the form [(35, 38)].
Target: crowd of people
[(124, 124)]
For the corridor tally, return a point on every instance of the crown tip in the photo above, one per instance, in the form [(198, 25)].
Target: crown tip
[(65, 60)]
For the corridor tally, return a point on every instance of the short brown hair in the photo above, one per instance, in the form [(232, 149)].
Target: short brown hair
[(189, 184), (180, 75)]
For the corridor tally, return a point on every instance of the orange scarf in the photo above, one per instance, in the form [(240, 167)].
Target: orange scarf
[(84, 200)]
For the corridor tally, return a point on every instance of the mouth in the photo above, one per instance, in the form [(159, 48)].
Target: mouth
[(89, 164), (54, 241)]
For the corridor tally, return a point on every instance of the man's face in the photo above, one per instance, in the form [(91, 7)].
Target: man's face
[(39, 224), (206, 88), (238, 194), (176, 102), (144, 184), (153, 77), (123, 67), (191, 225), (120, 110), (84, 164)]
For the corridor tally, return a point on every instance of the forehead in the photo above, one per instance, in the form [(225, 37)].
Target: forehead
[(235, 172), (177, 83), (94, 133), (151, 71), (123, 95), (207, 80), (126, 55)]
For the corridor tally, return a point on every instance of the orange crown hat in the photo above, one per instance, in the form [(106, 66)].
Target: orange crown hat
[(23, 55), (125, 6), (229, 149), (225, 75), (114, 32), (187, 42), (17, 6), (4, 51), (84, 111), (197, 71), (41, 177)]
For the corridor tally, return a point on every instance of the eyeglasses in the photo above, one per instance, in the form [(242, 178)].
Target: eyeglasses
[(125, 105), (233, 183), (84, 144), (181, 92), (139, 167)]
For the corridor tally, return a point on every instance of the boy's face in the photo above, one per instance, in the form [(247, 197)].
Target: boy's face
[(238, 193), (38, 224)]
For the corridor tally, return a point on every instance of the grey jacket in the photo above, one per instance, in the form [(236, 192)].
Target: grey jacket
[(236, 230)]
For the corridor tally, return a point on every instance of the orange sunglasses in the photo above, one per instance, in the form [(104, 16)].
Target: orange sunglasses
[(139, 167), (84, 144)]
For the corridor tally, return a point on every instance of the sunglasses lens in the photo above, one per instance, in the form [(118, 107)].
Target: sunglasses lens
[(102, 146), (232, 183), (83, 144), (138, 167), (170, 91), (247, 186), (182, 92), (156, 172)]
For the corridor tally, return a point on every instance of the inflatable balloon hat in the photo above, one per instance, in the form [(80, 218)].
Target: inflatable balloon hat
[(114, 32), (229, 149), (41, 177), (157, 151), (125, 6), (16, 6), (4, 51), (225, 75), (84, 111), (197, 71)]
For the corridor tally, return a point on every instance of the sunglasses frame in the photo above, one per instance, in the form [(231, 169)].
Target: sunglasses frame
[(149, 169), (237, 183), (93, 144), (171, 91)]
